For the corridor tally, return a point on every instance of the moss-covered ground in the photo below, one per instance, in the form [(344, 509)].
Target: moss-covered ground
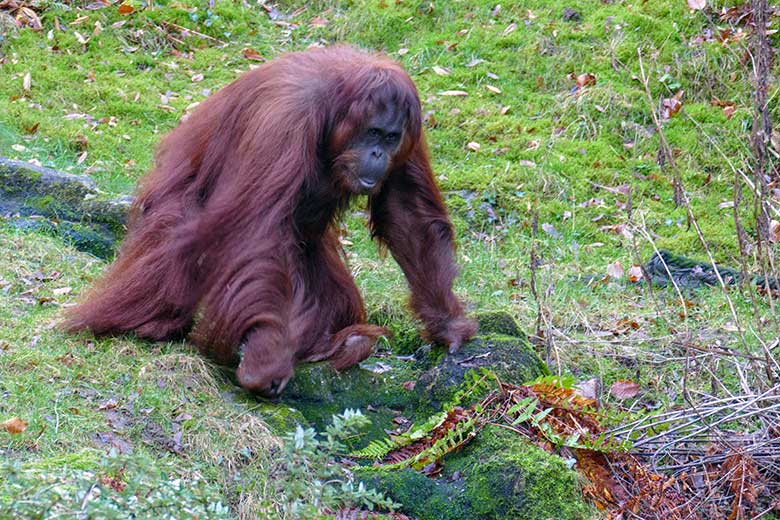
[(93, 91)]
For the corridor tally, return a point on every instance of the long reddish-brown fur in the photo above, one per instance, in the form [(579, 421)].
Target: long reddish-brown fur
[(231, 237)]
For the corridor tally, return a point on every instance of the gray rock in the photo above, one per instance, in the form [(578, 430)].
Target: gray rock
[(64, 204), (498, 476), (387, 386)]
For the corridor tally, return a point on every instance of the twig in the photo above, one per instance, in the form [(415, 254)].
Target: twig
[(185, 31)]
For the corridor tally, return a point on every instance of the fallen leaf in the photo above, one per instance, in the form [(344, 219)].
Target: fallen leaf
[(27, 83), (583, 80), (251, 54), (26, 17), (588, 389), (510, 29), (615, 270), (623, 389), (126, 9), (697, 5), (14, 425), (63, 290), (774, 231), (108, 405), (473, 146), (197, 78), (441, 71), (670, 106), (454, 93), (550, 230), (96, 5), (494, 90), (635, 273), (319, 22)]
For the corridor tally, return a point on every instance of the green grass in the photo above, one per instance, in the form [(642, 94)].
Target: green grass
[(552, 153)]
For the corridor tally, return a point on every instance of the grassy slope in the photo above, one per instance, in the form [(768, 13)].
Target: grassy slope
[(128, 72)]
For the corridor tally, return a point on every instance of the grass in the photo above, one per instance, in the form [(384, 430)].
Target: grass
[(110, 85)]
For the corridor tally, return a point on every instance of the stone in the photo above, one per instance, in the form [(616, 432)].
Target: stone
[(387, 386), (498, 476), (63, 204)]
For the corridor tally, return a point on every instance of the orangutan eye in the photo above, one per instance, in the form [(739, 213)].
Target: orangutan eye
[(392, 137), (374, 132)]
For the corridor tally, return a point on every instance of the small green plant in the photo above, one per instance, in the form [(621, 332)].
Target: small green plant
[(118, 486), (315, 484)]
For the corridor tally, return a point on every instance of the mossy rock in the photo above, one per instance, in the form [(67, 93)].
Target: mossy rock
[(376, 388), (63, 204), (18, 178), (279, 419), (386, 386), (500, 475), (512, 358), (498, 323)]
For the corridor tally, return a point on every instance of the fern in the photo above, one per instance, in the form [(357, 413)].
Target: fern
[(377, 449), (559, 381), (462, 433), (476, 385)]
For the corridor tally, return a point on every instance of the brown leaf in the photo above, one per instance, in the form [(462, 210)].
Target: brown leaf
[(583, 80), (14, 425), (319, 22), (251, 54), (624, 389), (635, 273), (126, 9), (108, 405), (441, 71), (670, 106), (494, 90), (29, 18), (461, 93)]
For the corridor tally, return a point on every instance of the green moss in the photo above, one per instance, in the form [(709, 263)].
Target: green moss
[(319, 392), (500, 476), (498, 323), (63, 192), (279, 418), (513, 359)]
